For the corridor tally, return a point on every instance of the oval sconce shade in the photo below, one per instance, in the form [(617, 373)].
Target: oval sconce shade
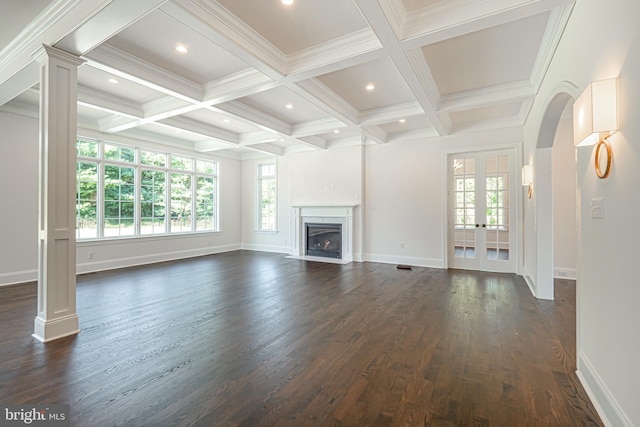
[(595, 113)]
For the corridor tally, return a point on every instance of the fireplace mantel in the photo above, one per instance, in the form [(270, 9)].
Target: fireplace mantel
[(322, 213)]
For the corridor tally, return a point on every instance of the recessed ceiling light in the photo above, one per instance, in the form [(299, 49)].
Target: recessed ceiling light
[(181, 48), (287, 2), (226, 120), (112, 81), (370, 86), (289, 106), (401, 120), (336, 131)]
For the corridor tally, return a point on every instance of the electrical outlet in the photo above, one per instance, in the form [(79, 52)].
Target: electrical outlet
[(90, 255), (401, 245)]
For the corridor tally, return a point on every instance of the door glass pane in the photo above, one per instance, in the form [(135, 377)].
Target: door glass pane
[(465, 208), (497, 211)]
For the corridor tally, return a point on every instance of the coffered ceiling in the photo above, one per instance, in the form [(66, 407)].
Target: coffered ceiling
[(259, 76)]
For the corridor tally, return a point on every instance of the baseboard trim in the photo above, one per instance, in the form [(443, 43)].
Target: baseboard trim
[(564, 273), (606, 405), (17, 277), (265, 248), (414, 261), (117, 263), (530, 282)]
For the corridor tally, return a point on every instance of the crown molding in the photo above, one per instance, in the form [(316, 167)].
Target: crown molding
[(347, 47), (454, 18), (393, 113), (315, 127), (236, 31), (396, 14), (415, 134), (375, 134), (468, 100), (327, 100), (556, 24), (236, 85), (108, 102), (117, 62), (203, 129), (255, 116), (55, 22)]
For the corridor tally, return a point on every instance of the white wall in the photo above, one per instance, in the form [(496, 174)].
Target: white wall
[(18, 198), (18, 249), (403, 188), (564, 200), (602, 41)]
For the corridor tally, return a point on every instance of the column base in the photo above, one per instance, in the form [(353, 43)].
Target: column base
[(49, 330)]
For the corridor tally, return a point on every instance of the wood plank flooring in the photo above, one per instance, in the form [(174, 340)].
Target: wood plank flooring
[(255, 339)]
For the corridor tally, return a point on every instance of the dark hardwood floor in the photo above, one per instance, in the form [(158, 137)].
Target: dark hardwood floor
[(252, 339)]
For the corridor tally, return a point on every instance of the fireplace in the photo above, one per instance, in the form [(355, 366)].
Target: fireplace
[(329, 221), (324, 240)]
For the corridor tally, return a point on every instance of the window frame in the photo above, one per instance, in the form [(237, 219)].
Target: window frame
[(210, 172), (260, 178)]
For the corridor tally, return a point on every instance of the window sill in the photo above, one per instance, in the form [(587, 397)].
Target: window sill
[(266, 231), (151, 237)]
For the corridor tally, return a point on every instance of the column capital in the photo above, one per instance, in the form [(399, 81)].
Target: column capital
[(45, 52)]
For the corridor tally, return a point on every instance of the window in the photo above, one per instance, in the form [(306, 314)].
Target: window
[(180, 202), (266, 197), (131, 191), (153, 189), (118, 201), (87, 189)]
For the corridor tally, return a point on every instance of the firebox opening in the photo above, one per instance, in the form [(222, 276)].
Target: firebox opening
[(324, 240)]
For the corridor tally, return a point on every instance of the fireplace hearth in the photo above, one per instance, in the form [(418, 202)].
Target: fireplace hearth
[(324, 240)]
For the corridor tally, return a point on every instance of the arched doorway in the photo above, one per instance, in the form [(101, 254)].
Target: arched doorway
[(565, 94)]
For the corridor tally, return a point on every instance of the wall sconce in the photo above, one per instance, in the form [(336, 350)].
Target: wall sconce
[(527, 179), (595, 118)]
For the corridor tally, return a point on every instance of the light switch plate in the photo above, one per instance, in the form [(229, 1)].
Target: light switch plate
[(597, 208)]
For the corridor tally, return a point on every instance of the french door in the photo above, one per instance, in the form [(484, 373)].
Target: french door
[(481, 211)]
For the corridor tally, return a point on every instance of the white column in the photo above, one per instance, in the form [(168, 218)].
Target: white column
[(57, 315)]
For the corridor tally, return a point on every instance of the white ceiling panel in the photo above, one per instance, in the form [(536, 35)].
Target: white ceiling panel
[(154, 39), (498, 55), (302, 25), (351, 84)]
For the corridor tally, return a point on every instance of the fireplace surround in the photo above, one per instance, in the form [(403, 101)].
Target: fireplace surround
[(328, 217)]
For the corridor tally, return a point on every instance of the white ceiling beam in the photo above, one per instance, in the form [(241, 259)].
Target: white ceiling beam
[(268, 148), (393, 113), (255, 116), (416, 74), (313, 141), (58, 25), (375, 134), (19, 82), (206, 146), (200, 128), (327, 100), (110, 20), (220, 26), (316, 127), (114, 61), (511, 92), (412, 135), (107, 102)]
